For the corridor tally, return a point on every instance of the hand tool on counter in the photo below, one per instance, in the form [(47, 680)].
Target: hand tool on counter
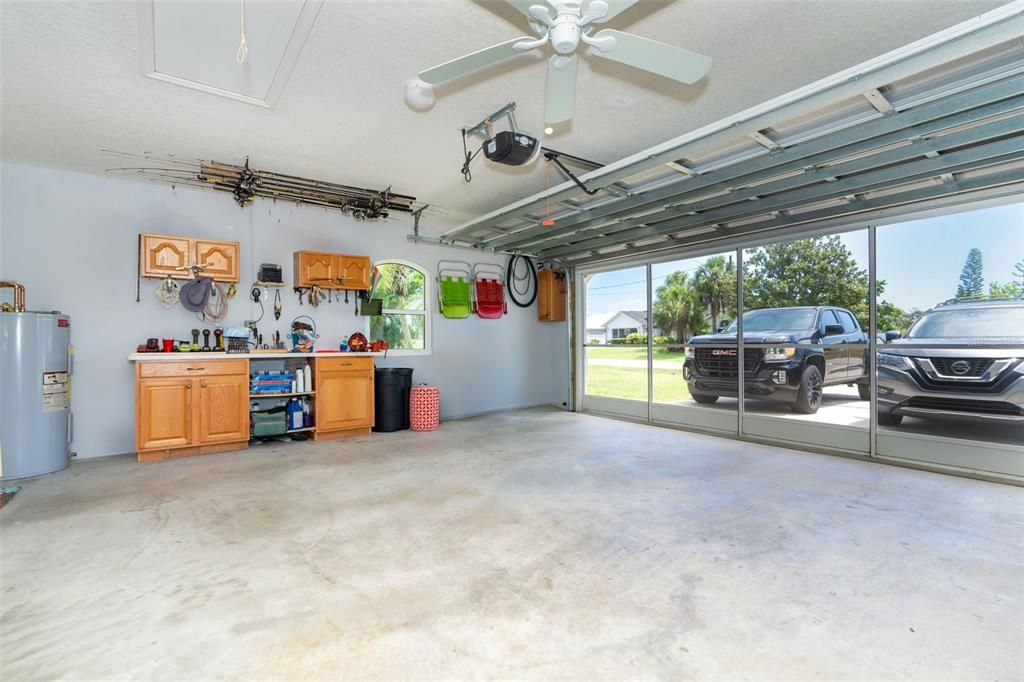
[(219, 334), (206, 341), (195, 339)]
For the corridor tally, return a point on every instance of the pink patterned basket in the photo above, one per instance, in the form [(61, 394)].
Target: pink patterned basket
[(424, 408)]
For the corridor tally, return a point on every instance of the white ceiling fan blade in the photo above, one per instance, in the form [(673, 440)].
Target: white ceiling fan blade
[(560, 94), (472, 62), (650, 55), (614, 7)]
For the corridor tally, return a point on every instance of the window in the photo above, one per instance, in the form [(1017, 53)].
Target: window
[(623, 332), (849, 326), (404, 321), (828, 318)]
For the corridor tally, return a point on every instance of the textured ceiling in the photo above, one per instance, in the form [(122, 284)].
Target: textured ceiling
[(71, 86)]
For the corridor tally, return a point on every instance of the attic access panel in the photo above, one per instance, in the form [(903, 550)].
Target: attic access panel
[(939, 120), (195, 44)]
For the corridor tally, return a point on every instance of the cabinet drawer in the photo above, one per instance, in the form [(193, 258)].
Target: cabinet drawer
[(194, 368), (362, 362)]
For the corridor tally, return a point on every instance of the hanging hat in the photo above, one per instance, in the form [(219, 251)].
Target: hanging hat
[(195, 294)]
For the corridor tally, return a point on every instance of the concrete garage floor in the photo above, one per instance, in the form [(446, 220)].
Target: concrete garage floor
[(532, 544)]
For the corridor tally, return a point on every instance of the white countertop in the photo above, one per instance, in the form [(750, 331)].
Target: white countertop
[(186, 357)]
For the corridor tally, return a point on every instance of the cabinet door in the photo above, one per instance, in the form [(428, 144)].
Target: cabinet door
[(163, 255), (163, 413), (223, 409), (354, 272), (550, 297), (344, 399), (312, 268), (221, 257)]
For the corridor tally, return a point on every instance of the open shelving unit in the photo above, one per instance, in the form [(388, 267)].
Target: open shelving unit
[(280, 363)]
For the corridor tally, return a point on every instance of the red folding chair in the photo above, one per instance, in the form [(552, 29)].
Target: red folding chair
[(489, 291)]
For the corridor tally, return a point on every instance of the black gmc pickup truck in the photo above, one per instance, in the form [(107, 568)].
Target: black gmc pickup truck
[(785, 372)]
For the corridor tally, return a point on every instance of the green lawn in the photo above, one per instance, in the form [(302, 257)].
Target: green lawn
[(633, 353), (631, 383)]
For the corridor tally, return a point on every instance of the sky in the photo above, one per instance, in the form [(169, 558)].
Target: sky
[(920, 261)]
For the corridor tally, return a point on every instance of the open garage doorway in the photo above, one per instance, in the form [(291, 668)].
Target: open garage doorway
[(902, 342)]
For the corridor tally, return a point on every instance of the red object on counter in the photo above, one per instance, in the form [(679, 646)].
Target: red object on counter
[(357, 343), (424, 408), (168, 345)]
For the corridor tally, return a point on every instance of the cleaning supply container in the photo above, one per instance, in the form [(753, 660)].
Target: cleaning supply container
[(425, 407), (391, 398)]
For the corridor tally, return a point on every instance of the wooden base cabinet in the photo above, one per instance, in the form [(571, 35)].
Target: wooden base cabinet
[(344, 397), (201, 406), (184, 408)]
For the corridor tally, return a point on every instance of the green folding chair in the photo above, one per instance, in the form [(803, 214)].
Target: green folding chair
[(454, 289)]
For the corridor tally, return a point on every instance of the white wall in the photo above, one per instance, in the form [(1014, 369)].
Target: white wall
[(71, 239)]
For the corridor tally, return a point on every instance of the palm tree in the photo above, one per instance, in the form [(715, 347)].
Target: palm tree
[(715, 284), (678, 307)]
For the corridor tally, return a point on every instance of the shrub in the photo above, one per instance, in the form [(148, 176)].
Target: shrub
[(617, 342), (663, 340), (635, 339)]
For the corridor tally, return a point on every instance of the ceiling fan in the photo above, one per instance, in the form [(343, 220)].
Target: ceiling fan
[(565, 24)]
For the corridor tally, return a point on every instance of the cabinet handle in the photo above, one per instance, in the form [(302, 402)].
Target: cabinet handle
[(188, 387), (203, 384), (195, 369)]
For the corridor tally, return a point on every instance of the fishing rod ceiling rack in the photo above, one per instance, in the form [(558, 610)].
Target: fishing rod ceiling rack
[(245, 184)]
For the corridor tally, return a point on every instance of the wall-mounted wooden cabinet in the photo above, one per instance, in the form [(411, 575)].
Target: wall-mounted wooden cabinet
[(170, 256), (331, 270), (186, 408), (551, 288)]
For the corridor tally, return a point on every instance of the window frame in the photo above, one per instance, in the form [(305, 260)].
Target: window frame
[(427, 313)]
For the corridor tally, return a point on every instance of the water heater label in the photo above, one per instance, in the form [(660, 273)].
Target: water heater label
[(55, 391)]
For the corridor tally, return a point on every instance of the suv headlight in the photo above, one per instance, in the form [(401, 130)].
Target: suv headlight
[(778, 354), (900, 362), (688, 351)]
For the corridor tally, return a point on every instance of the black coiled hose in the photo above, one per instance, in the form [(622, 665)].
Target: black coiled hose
[(510, 280)]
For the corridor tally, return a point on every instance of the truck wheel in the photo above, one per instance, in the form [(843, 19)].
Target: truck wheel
[(808, 398), (864, 391), (704, 398), (889, 419)]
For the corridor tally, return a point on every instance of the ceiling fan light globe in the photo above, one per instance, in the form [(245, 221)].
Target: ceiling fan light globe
[(419, 96)]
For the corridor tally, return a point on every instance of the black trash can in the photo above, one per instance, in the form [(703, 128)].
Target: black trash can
[(391, 387)]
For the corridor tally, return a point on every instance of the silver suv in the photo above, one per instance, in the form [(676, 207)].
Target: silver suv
[(976, 384)]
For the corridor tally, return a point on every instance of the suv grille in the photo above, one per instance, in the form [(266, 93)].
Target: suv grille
[(974, 406), (978, 366), (722, 362)]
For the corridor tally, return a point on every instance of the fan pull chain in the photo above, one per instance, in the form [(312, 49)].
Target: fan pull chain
[(243, 48)]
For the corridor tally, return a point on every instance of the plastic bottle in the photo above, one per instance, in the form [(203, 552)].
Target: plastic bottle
[(307, 414), (299, 376), (307, 375), (294, 414)]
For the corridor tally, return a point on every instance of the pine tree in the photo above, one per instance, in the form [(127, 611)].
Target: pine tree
[(972, 282)]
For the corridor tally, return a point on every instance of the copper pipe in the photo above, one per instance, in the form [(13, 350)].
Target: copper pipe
[(19, 295)]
